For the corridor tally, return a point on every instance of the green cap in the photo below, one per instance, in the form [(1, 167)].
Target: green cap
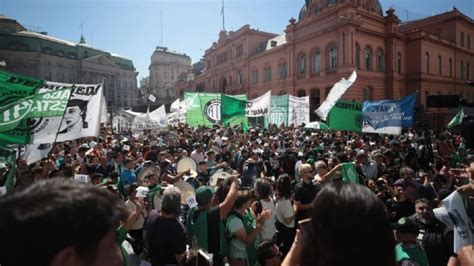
[(204, 195)]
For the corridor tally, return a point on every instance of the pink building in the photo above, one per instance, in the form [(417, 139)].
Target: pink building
[(330, 39)]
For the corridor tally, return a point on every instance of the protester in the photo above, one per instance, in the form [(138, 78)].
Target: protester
[(409, 251), (166, 235), (348, 226), (60, 222), (294, 162), (268, 254)]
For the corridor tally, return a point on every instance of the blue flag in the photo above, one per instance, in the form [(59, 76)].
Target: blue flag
[(390, 113)]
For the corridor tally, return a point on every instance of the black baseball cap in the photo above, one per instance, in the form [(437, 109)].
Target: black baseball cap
[(406, 225)]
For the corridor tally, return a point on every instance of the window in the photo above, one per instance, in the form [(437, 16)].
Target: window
[(468, 71), (462, 39), (468, 41), (316, 62), (380, 61), (267, 73), (239, 77), (331, 2), (462, 70), (367, 93), (239, 50), (357, 56), (302, 64), (440, 65), (368, 59), (427, 62), (333, 58), (254, 76), (282, 70), (399, 63), (450, 67)]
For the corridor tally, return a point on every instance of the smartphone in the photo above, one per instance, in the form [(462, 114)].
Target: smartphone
[(305, 227)]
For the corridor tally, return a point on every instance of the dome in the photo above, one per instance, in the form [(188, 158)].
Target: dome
[(316, 6)]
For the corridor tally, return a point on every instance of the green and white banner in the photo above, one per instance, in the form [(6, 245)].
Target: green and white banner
[(48, 104), (346, 115), (204, 109), (81, 119), (279, 111)]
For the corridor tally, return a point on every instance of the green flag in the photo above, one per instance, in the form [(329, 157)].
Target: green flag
[(232, 111), (349, 173), (49, 104), (346, 115), (8, 157), (457, 120)]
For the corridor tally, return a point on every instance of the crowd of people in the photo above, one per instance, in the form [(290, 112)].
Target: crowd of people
[(283, 201)]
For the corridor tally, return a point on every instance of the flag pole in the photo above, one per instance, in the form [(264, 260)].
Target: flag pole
[(62, 119)]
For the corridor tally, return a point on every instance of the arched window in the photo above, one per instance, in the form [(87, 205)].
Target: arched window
[(302, 64), (282, 93), (367, 93), (332, 57), (368, 58), (399, 63), (380, 61), (316, 63), (282, 70), (427, 62), (314, 102), (462, 70), (239, 76), (357, 56), (440, 65), (450, 67)]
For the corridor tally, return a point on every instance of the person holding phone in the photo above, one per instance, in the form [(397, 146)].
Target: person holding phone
[(136, 229)]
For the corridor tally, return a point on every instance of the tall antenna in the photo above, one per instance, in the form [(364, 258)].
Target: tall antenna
[(223, 17), (161, 16)]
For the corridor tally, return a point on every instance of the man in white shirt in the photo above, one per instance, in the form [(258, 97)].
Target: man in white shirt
[(198, 153)]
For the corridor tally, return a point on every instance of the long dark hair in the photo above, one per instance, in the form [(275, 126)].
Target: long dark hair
[(350, 227), (284, 187)]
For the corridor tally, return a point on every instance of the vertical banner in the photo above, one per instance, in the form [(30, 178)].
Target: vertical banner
[(298, 110), (346, 115), (279, 111)]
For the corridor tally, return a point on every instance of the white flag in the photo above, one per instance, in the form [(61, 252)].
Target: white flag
[(152, 98), (260, 106), (334, 95), (175, 106), (153, 120)]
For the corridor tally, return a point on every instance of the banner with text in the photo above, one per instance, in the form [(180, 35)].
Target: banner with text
[(260, 106), (298, 110), (346, 115)]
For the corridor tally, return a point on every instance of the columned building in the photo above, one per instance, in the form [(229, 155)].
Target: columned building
[(45, 57), (330, 39), (166, 69)]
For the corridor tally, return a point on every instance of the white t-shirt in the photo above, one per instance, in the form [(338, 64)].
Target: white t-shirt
[(284, 210), (141, 219), (268, 228)]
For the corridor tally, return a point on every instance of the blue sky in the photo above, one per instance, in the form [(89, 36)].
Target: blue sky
[(131, 28)]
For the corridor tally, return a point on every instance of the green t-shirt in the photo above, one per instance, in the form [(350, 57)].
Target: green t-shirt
[(412, 253)]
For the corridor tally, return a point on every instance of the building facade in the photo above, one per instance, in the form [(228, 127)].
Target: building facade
[(330, 39), (166, 69), (45, 57)]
